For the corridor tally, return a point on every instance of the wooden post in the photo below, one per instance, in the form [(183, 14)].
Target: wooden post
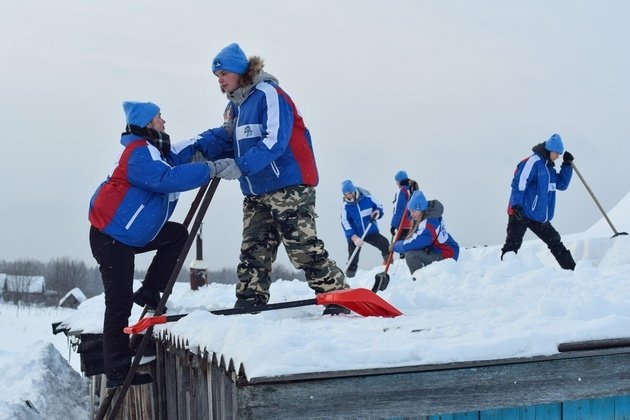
[(198, 268)]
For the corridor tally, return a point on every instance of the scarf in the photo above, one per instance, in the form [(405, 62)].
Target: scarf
[(160, 140)]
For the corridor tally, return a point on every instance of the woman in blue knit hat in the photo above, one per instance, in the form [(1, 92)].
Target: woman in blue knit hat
[(359, 214), (401, 221), (129, 215), (428, 240), (533, 199), (274, 162)]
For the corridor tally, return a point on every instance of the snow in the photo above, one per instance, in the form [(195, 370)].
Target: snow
[(477, 308), (33, 368)]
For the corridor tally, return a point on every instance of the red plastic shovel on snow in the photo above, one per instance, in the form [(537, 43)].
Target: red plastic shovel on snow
[(362, 301)]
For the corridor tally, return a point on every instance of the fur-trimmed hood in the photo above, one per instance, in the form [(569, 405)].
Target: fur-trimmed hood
[(254, 75)]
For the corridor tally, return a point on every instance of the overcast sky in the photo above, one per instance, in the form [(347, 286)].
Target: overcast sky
[(453, 92)]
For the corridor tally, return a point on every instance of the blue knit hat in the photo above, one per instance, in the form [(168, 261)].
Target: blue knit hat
[(417, 202), (348, 187), (400, 176), (232, 59), (140, 113), (554, 144)]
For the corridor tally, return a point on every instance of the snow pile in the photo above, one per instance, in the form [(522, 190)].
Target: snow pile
[(40, 377)]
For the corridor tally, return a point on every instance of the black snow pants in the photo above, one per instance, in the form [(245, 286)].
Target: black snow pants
[(376, 240), (516, 230), (116, 264)]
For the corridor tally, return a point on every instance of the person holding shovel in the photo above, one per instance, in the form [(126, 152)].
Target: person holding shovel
[(273, 160), (428, 240), (533, 199), (400, 216), (359, 214)]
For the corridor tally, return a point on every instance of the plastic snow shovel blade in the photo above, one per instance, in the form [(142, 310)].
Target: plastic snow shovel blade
[(360, 300), (381, 281)]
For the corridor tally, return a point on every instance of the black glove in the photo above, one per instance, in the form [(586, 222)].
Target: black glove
[(517, 211), (567, 158), (392, 230)]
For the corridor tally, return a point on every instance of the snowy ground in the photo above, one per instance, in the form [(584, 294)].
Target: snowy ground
[(35, 368), (475, 309)]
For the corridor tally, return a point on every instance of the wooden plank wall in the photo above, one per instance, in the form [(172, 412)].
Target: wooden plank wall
[(195, 385)]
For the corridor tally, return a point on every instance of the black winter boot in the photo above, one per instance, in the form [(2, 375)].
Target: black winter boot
[(148, 297)]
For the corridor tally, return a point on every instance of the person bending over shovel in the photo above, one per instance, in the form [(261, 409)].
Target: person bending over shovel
[(428, 241), (359, 214)]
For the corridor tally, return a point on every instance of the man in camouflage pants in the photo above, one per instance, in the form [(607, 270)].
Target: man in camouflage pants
[(273, 159), (287, 216)]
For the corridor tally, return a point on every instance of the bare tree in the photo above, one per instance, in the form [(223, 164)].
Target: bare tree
[(64, 274)]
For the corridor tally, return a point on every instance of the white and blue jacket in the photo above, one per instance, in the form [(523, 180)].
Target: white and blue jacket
[(356, 215), (535, 183), (272, 146)]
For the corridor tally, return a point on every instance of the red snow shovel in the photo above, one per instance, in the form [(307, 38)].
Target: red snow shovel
[(381, 280), (361, 301)]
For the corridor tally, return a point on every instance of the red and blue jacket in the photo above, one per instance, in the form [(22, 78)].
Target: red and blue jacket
[(272, 146), (400, 206), (139, 197), (430, 234)]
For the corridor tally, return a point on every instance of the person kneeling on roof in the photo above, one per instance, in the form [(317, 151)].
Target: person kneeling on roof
[(428, 240)]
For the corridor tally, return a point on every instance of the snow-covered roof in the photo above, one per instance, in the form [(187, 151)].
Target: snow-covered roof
[(76, 292), (25, 284), (477, 308)]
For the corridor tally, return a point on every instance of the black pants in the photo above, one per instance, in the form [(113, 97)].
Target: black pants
[(116, 264), (377, 240), (516, 230)]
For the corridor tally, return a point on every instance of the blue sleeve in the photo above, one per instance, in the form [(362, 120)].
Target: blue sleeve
[(153, 174), (422, 237), (400, 201), (346, 223), (212, 144), (564, 177)]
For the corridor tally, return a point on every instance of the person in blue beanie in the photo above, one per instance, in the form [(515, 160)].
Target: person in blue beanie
[(533, 199), (359, 213), (428, 240), (274, 162), (401, 220), (129, 214)]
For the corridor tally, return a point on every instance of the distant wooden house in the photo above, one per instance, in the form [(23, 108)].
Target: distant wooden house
[(30, 289), (72, 299)]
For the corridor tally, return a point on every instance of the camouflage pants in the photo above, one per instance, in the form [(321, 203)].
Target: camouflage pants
[(287, 216)]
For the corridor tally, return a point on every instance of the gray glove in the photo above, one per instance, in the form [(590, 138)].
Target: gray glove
[(229, 171), (216, 166)]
